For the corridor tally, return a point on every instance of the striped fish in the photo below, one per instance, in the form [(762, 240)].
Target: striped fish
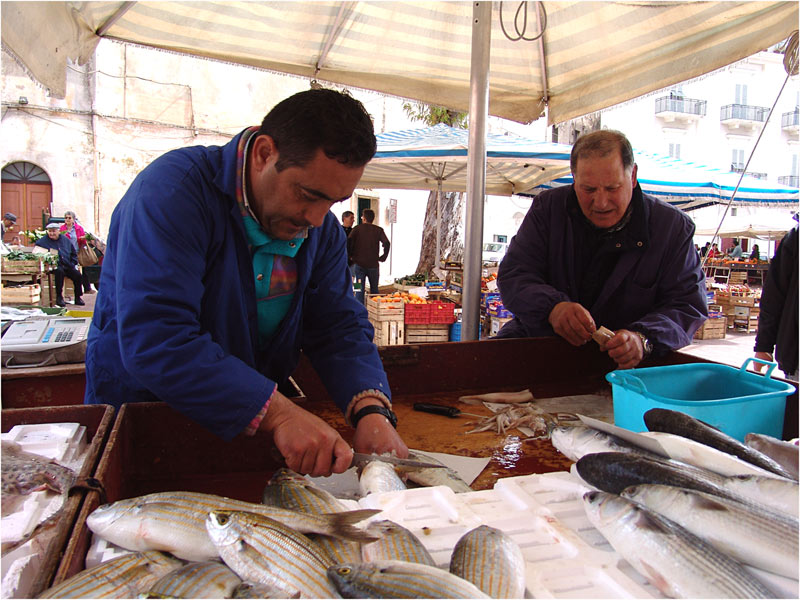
[(491, 560), (399, 579), (123, 577), (249, 589), (207, 579), (263, 550), (175, 522), (290, 490), (396, 543)]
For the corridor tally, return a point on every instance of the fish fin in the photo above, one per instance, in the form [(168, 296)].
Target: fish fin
[(342, 524), (707, 502), (655, 577), (645, 520)]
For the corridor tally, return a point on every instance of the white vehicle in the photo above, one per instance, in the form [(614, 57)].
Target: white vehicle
[(493, 252)]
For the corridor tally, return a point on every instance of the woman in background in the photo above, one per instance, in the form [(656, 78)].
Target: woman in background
[(76, 235)]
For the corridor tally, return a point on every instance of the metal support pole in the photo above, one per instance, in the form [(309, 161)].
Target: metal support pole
[(438, 260), (476, 168)]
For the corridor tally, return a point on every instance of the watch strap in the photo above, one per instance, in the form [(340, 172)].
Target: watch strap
[(647, 345), (369, 410)]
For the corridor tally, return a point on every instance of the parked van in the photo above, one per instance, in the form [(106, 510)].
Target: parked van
[(493, 252)]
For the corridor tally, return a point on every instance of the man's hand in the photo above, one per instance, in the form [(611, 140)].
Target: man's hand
[(763, 356), (307, 443), (573, 322), (375, 434), (625, 349)]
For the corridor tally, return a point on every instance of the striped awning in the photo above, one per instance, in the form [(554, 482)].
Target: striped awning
[(437, 156), (690, 185), (591, 55)]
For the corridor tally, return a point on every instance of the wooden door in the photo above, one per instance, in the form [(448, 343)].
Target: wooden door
[(28, 193)]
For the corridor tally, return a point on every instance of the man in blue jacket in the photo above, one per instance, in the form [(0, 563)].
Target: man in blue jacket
[(601, 253), (223, 263), (67, 262)]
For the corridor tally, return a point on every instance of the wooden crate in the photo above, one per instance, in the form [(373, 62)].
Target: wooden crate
[(386, 310), (24, 294), (428, 333), (712, 329), (22, 266), (389, 333)]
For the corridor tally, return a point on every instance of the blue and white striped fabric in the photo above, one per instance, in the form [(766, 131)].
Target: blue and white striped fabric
[(691, 185), (424, 158)]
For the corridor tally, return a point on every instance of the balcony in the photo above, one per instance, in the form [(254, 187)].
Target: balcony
[(790, 121), (790, 180), (736, 168), (743, 116), (677, 108)]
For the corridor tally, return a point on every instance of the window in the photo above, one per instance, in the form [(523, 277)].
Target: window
[(794, 165), (675, 150), (737, 160), (741, 93)]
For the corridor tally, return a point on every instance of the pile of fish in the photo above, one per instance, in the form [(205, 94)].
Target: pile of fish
[(692, 529), (300, 542)]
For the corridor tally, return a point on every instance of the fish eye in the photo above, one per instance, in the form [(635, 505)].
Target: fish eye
[(344, 570), (222, 518)]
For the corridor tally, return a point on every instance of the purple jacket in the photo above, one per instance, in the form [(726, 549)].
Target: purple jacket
[(656, 286)]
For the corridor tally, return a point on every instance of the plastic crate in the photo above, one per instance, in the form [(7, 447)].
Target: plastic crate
[(418, 314), (733, 400), (442, 312)]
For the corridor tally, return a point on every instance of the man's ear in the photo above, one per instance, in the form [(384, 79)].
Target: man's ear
[(633, 174), (263, 153)]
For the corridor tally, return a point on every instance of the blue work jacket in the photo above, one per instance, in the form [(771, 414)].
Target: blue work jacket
[(656, 286), (175, 317)]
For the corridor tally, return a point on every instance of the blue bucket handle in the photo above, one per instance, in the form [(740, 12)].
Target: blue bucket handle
[(770, 366), (631, 381)]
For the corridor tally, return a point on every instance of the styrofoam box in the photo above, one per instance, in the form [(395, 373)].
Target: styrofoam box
[(67, 444)]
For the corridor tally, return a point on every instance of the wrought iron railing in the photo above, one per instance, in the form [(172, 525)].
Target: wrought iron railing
[(743, 112), (790, 180), (791, 119), (675, 104)]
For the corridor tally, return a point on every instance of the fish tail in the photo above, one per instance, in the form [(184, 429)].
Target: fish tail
[(342, 524)]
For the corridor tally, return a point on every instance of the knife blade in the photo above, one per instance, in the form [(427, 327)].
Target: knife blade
[(441, 409), (360, 459)]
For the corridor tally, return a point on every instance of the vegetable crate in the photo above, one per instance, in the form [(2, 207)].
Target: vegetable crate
[(442, 312), (384, 308), (426, 334), (389, 333), (712, 329), (418, 314), (24, 294), (22, 266)]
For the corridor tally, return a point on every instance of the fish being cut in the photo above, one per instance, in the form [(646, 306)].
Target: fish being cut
[(175, 522), (673, 421), (124, 577), (491, 560), (786, 454), (399, 579), (395, 543), (675, 561), (206, 579), (752, 536), (432, 477), (263, 550), (575, 441), (377, 477)]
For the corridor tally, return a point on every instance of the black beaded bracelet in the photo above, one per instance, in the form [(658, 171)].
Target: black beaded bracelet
[(368, 410)]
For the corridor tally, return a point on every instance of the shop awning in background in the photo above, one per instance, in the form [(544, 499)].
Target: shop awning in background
[(435, 158), (592, 54)]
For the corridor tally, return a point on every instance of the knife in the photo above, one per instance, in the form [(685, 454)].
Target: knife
[(360, 460), (441, 409)]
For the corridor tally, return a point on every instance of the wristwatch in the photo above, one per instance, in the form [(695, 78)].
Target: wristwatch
[(368, 410), (647, 345)]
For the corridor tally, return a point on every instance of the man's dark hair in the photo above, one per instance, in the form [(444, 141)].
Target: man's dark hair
[(368, 214), (327, 119), (601, 143), (347, 213)]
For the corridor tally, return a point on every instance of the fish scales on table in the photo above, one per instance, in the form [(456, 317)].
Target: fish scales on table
[(205, 579), (786, 454), (175, 522), (490, 559), (395, 543), (675, 561), (399, 579), (124, 577), (756, 537), (673, 421), (263, 550), (290, 490)]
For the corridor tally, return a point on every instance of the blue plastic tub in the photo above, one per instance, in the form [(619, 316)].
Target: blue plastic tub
[(733, 400)]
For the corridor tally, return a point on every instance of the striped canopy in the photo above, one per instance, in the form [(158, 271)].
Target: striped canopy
[(591, 55), (436, 158), (691, 185)]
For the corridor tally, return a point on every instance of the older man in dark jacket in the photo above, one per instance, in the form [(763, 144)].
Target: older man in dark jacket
[(600, 252), (67, 263)]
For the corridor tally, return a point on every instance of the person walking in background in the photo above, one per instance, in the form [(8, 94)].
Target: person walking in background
[(347, 221), (9, 220), (362, 247), (67, 263), (777, 319)]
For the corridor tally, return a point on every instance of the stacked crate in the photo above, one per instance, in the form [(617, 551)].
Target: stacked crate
[(739, 305), (386, 315), (713, 328), (429, 322)]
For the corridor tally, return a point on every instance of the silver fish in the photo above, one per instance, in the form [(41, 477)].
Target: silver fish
[(293, 491), (206, 579), (762, 539), (678, 423), (395, 543), (777, 494), (575, 441), (250, 589), (261, 549), (122, 577), (432, 477), (399, 579), (175, 522), (491, 560), (379, 477), (786, 454), (678, 563)]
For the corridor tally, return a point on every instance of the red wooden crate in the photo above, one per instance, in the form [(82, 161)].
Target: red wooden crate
[(417, 313)]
